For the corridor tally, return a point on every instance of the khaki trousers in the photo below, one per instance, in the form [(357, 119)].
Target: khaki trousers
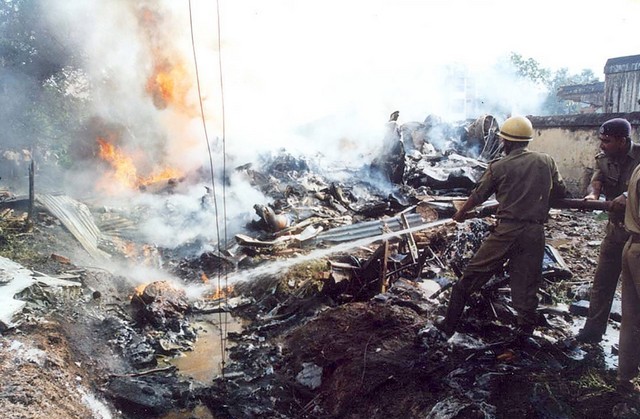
[(629, 350), (605, 280), (523, 245)]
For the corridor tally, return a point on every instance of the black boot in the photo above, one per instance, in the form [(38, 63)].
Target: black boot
[(525, 330), (586, 335), (524, 335), (457, 301)]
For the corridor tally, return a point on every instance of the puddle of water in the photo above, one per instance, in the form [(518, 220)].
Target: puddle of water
[(610, 338), (204, 362)]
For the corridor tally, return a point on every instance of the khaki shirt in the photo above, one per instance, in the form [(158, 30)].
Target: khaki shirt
[(614, 175), (523, 182), (632, 208)]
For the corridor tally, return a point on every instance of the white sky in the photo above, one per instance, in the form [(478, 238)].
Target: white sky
[(322, 75), (320, 72), (286, 62), (562, 33)]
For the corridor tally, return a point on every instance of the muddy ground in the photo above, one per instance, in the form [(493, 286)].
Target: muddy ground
[(304, 353)]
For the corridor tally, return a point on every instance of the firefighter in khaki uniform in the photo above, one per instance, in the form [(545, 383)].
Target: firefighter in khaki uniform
[(614, 165), (628, 354), (523, 181)]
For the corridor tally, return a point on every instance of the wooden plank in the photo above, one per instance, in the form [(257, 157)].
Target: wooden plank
[(413, 249), (383, 267)]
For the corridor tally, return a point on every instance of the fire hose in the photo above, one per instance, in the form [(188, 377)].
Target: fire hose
[(581, 204), (565, 203)]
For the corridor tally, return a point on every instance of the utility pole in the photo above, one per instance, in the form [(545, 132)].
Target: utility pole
[(31, 190)]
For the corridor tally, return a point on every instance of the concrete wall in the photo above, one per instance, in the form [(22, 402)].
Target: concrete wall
[(573, 151), (572, 140)]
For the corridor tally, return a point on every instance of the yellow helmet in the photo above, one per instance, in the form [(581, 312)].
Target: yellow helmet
[(516, 128)]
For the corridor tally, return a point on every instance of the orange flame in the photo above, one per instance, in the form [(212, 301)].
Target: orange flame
[(125, 172), (221, 292), (169, 85), (204, 277), (129, 250), (140, 289), (163, 174)]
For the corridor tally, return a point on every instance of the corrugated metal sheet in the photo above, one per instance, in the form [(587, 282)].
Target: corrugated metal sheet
[(77, 218), (368, 229)]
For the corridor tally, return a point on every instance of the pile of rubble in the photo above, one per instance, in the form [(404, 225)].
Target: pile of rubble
[(338, 284)]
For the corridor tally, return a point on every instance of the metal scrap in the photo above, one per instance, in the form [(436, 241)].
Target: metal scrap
[(77, 218)]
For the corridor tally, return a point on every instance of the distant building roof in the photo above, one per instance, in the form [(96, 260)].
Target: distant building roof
[(622, 64), (582, 89), (590, 93), (582, 120)]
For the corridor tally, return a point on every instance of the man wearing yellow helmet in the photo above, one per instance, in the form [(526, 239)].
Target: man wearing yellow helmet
[(524, 182)]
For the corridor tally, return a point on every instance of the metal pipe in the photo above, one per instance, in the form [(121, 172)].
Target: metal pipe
[(582, 204)]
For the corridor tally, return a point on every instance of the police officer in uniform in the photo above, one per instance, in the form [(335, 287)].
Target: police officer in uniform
[(524, 182), (628, 354), (614, 166)]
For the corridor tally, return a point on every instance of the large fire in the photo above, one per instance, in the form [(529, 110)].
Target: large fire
[(125, 172), (169, 85), (169, 82), (124, 169)]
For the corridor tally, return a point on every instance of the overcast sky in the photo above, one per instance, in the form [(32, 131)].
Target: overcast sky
[(309, 60), (567, 33), (313, 75), (323, 72)]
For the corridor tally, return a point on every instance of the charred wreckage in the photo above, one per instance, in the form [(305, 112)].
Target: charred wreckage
[(337, 285)]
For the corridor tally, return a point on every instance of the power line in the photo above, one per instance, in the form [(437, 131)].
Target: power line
[(222, 317)]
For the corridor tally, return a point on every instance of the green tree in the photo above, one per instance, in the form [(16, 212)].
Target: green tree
[(529, 68), (551, 81), (553, 105), (42, 87)]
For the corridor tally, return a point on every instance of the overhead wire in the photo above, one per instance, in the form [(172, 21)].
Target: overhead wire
[(223, 324), (222, 317)]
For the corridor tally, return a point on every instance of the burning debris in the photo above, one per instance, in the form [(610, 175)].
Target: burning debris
[(140, 280), (161, 306), (339, 276), (437, 156)]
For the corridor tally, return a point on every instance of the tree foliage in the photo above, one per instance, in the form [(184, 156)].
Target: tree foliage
[(551, 81), (529, 68), (43, 89)]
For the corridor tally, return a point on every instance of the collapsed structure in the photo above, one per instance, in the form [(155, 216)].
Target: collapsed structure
[(340, 282)]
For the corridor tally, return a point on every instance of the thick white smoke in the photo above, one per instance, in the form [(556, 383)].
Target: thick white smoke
[(312, 77)]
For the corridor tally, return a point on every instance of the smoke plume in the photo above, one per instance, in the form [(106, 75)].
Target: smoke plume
[(283, 75)]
